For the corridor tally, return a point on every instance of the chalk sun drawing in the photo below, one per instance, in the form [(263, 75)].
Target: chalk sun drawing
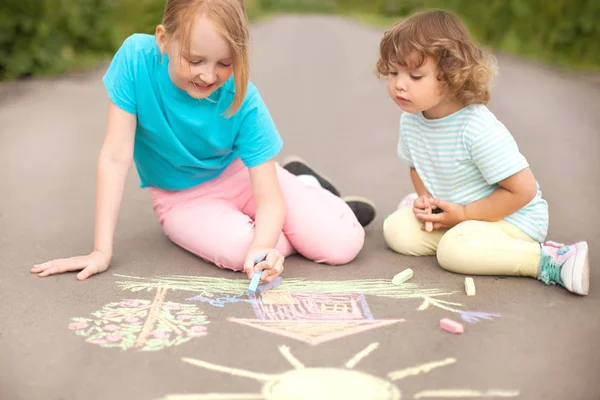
[(142, 324), (325, 383)]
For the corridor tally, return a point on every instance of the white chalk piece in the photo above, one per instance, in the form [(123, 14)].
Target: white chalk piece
[(402, 277), (429, 226), (470, 287)]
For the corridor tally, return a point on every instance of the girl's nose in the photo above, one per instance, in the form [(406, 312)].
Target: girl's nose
[(400, 83), (208, 76)]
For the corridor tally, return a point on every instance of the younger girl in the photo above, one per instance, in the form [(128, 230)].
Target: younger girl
[(476, 194), (204, 144)]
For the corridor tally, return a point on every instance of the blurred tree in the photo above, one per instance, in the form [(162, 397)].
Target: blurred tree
[(51, 36)]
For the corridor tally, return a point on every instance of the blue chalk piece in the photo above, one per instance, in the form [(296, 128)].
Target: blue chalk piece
[(263, 287), (254, 282), (256, 277)]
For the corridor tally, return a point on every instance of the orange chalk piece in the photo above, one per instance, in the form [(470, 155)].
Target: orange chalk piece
[(451, 326)]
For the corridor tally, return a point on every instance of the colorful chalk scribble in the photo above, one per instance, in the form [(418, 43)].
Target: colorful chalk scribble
[(324, 383), (472, 317), (142, 324), (207, 287), (313, 312)]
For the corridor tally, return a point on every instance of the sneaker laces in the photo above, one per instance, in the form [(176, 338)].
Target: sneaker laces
[(549, 271)]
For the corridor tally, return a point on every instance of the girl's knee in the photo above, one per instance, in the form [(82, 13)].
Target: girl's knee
[(340, 247), (399, 229), (233, 260), (345, 251), (334, 245), (445, 253), (452, 250), (226, 249)]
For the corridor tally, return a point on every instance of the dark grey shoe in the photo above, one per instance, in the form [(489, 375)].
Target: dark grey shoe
[(297, 166), (364, 209)]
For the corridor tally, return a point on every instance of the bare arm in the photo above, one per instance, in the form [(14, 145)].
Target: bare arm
[(418, 183), (270, 205), (113, 163), (270, 214), (514, 193)]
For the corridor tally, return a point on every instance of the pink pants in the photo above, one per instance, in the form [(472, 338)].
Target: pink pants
[(215, 220)]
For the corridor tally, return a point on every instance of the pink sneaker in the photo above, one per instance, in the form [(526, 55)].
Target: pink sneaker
[(408, 200), (566, 265)]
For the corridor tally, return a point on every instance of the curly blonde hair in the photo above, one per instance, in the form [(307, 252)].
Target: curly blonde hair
[(465, 69)]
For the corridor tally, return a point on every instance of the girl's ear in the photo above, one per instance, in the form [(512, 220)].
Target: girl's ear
[(161, 38), (442, 83)]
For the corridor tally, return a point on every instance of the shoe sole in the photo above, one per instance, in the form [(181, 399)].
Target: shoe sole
[(581, 268), (324, 181), (360, 199)]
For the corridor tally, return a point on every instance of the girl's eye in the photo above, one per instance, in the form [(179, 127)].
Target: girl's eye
[(196, 62), (224, 65), (393, 73), (415, 77)]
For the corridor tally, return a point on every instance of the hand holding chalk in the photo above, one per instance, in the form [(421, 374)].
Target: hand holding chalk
[(257, 275), (428, 224), (269, 264), (421, 206)]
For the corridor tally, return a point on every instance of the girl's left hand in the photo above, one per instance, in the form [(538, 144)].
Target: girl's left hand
[(452, 214), (272, 266)]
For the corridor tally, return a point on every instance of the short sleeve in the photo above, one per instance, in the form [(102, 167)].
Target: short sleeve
[(119, 79), (403, 151), (496, 154), (258, 139)]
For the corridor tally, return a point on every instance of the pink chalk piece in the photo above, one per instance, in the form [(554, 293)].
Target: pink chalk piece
[(451, 326)]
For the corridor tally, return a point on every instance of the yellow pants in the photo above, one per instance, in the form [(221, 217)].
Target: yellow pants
[(471, 247)]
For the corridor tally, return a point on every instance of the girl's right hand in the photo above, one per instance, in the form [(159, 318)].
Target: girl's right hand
[(92, 264), (422, 205)]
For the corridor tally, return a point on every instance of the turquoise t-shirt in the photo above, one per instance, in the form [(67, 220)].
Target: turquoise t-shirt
[(181, 142)]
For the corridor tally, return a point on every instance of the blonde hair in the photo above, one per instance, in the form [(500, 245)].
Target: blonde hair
[(465, 69), (230, 19)]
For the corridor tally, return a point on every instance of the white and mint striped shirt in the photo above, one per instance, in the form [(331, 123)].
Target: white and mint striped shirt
[(462, 157)]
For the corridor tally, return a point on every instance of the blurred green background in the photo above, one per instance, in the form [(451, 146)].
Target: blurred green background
[(53, 36)]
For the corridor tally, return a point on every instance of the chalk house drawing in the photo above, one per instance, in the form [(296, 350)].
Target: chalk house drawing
[(313, 318)]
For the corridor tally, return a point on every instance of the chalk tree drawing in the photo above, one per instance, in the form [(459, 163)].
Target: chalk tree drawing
[(142, 324), (324, 383)]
